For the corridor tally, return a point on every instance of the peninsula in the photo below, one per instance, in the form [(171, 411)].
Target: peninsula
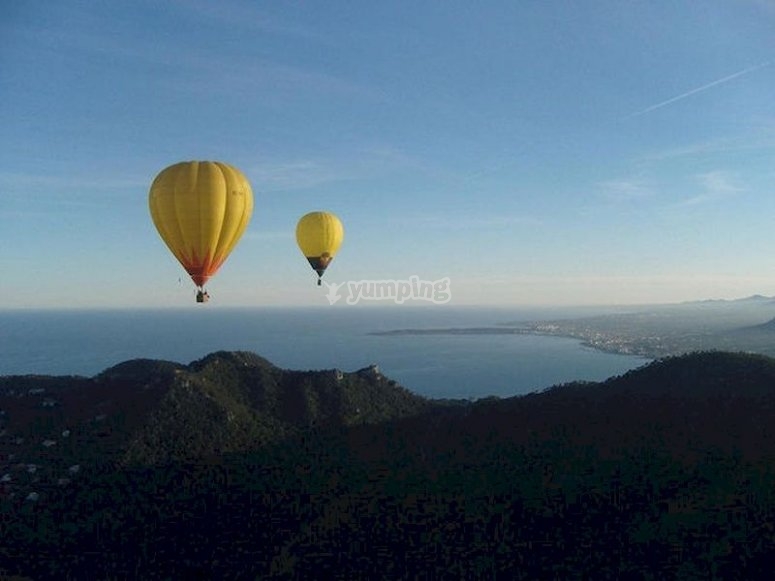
[(655, 331)]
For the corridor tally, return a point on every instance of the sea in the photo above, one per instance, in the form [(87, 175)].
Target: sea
[(86, 342)]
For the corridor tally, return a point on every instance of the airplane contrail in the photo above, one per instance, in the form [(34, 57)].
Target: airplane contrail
[(700, 89)]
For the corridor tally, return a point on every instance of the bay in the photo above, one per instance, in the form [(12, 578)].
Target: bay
[(85, 342)]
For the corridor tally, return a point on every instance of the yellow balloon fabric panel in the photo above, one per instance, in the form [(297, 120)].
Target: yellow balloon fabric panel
[(201, 209), (318, 233)]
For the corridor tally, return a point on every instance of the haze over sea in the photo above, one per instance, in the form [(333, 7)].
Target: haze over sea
[(85, 342)]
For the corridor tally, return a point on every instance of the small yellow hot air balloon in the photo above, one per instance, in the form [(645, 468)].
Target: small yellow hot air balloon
[(319, 235), (201, 209)]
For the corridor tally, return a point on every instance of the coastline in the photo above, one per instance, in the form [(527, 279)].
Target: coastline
[(604, 343)]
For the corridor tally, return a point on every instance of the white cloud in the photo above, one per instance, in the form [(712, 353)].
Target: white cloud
[(765, 4), (11, 181), (291, 175), (624, 190), (472, 222), (267, 235), (184, 67), (715, 185), (762, 139), (273, 175), (606, 289), (719, 182), (246, 16)]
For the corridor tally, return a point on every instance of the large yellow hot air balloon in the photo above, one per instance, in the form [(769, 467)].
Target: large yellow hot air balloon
[(201, 209), (319, 235)]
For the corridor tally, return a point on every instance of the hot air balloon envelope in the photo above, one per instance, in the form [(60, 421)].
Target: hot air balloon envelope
[(319, 235), (201, 209)]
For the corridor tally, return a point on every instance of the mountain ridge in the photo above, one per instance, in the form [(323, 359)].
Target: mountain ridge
[(148, 411), (680, 452)]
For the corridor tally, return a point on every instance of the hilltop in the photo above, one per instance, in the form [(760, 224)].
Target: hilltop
[(232, 467), (145, 412)]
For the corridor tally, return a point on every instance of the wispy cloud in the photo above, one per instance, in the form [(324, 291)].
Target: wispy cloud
[(472, 222), (714, 186), (301, 173), (292, 174), (30, 194), (246, 16), (700, 89), (268, 235), (262, 77), (706, 187), (710, 147), (763, 138), (624, 190), (25, 182), (766, 4), (181, 67), (719, 182)]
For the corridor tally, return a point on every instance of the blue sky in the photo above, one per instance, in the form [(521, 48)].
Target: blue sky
[(537, 153)]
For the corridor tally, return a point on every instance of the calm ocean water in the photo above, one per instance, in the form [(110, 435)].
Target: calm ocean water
[(87, 342)]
